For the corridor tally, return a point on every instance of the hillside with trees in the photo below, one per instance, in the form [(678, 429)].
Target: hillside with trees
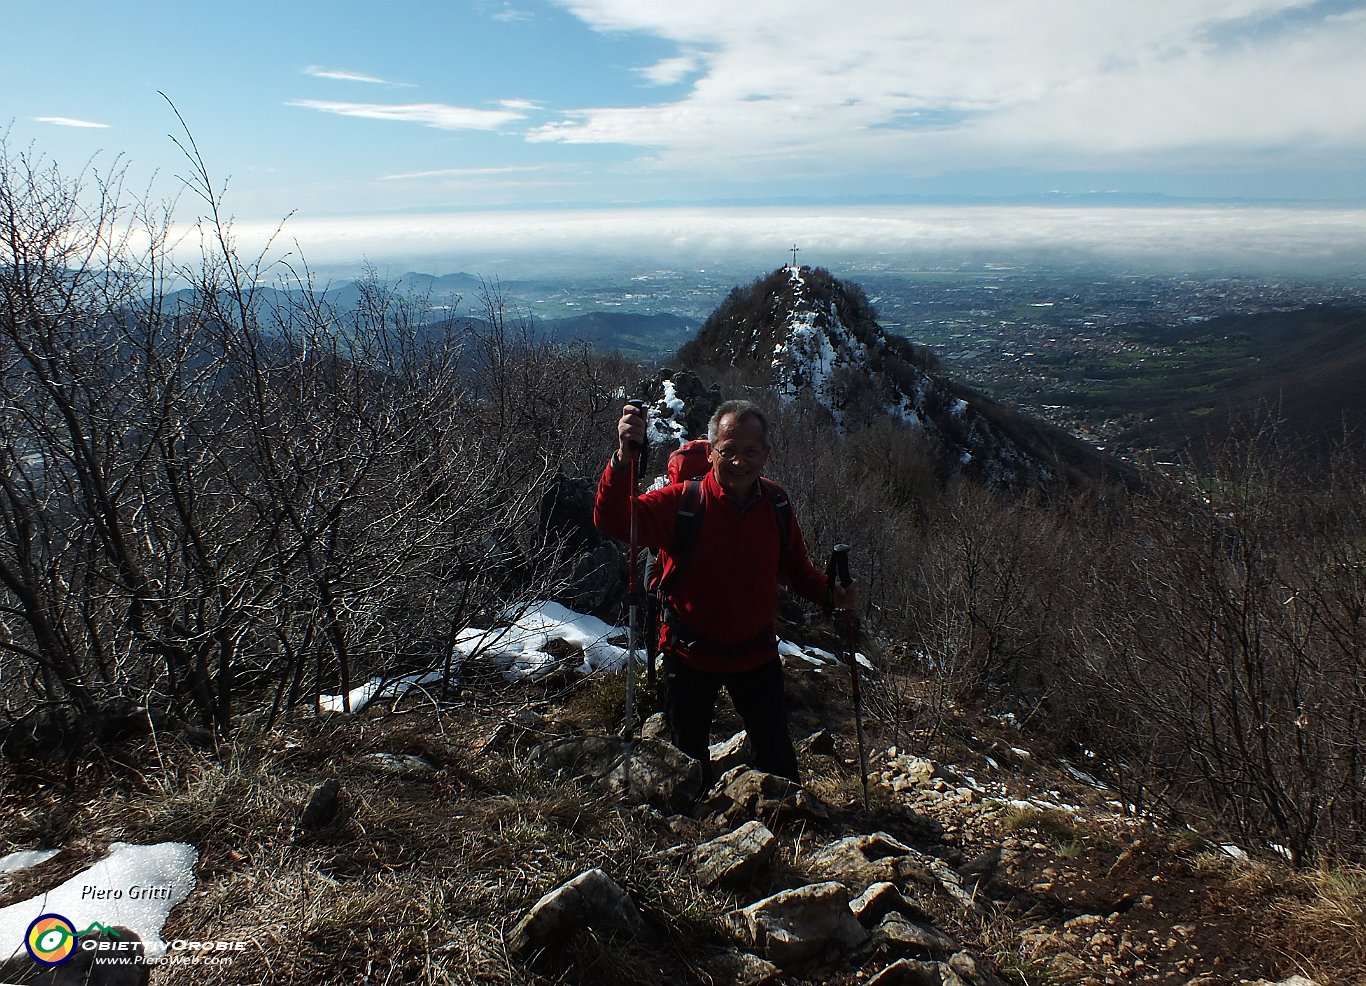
[(219, 518), (1307, 368)]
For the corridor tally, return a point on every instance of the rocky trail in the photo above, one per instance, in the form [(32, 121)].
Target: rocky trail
[(514, 842), (994, 866)]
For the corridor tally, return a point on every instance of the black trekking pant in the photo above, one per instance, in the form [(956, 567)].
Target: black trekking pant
[(690, 702)]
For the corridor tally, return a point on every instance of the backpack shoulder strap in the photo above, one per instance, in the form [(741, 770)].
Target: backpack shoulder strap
[(687, 522), (782, 510), (688, 519)]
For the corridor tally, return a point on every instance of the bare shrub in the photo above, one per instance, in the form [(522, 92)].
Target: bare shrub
[(239, 494), (1230, 632)]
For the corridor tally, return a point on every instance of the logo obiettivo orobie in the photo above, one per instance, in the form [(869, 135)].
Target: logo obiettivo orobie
[(51, 939)]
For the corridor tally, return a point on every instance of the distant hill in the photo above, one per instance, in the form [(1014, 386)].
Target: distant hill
[(630, 333), (634, 334), (1307, 367), (806, 333)]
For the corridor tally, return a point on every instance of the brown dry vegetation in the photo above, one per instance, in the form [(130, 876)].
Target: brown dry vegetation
[(421, 875), (218, 512)]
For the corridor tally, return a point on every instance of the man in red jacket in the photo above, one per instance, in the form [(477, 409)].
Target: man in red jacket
[(718, 629)]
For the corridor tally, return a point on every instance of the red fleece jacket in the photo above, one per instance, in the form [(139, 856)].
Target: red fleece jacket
[(727, 592)]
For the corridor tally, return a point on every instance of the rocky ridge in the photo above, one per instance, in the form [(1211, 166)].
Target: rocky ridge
[(532, 849), (808, 335)]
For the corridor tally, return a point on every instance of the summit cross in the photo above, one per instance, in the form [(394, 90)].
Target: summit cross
[(794, 255)]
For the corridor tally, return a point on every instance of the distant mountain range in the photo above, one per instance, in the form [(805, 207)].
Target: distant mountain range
[(634, 334), (1306, 367)]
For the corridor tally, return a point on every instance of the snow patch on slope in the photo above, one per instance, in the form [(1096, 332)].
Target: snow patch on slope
[(137, 886)]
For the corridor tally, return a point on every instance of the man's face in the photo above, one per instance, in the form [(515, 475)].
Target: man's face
[(739, 455)]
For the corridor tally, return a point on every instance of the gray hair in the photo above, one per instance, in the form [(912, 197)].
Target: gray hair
[(742, 411)]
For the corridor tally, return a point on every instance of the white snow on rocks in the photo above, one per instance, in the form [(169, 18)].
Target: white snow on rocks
[(520, 649)]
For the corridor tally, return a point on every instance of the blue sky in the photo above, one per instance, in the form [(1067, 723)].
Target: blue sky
[(345, 112)]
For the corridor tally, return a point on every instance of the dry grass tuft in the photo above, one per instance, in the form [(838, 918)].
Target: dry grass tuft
[(1320, 914), (1330, 918), (1056, 827)]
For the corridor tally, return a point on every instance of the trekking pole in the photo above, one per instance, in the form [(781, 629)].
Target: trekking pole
[(839, 568), (639, 451)]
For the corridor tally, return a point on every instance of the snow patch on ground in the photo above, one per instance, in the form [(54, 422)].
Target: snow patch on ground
[(375, 689), (817, 656), (134, 886), (520, 649), (25, 858)]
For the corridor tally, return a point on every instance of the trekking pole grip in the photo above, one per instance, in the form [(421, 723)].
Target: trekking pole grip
[(642, 448), (840, 559)]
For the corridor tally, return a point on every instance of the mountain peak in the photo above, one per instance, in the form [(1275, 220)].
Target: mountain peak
[(755, 321), (810, 336)]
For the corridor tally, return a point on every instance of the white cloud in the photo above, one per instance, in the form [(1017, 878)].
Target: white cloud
[(66, 121), (466, 172), (670, 71), (926, 86), (438, 115), (1272, 239), (344, 75), (511, 14)]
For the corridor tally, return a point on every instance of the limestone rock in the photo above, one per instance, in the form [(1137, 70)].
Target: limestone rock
[(731, 753), (399, 764), (859, 861), (655, 728), (656, 773), (502, 737), (743, 794), (967, 969), (521, 725), (819, 743), (566, 510), (912, 939), (735, 856), (904, 772), (598, 578), (949, 882), (908, 972), (529, 719), (881, 899), (592, 900), (801, 925), (740, 969)]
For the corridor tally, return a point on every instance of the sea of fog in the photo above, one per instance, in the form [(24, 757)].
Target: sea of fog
[(1192, 239)]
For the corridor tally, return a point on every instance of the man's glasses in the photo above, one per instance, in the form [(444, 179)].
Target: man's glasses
[(732, 453)]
